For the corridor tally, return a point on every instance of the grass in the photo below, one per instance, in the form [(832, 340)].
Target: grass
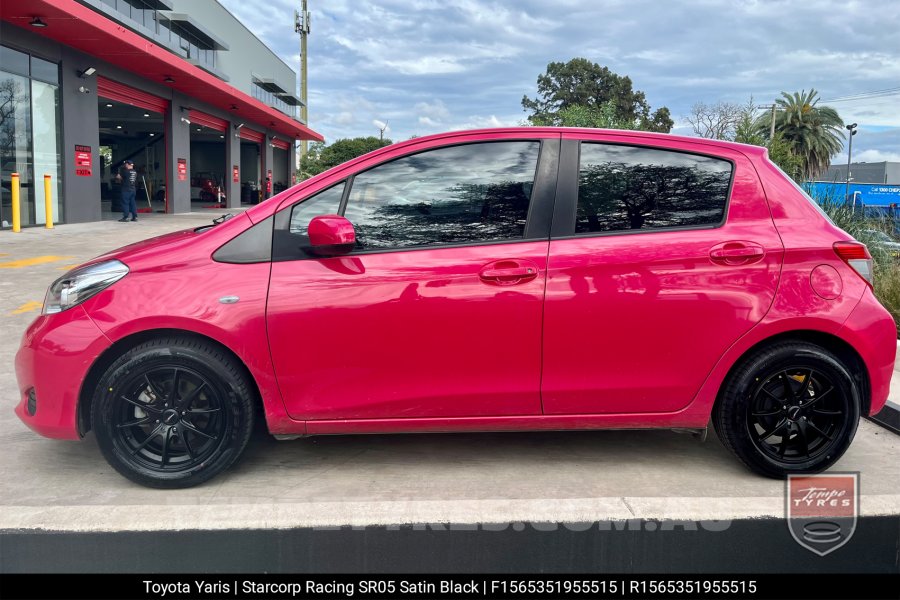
[(864, 229)]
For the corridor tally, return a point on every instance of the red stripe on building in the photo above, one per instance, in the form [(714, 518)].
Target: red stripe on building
[(206, 120), (281, 144), (113, 90), (253, 136)]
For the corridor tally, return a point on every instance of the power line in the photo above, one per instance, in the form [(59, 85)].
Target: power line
[(866, 95)]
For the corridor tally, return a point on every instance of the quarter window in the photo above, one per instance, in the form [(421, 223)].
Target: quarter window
[(622, 188), (456, 195), (326, 202)]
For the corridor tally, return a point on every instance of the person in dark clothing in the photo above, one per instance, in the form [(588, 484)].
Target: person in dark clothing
[(128, 178)]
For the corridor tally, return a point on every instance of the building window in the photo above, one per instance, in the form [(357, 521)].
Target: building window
[(29, 134)]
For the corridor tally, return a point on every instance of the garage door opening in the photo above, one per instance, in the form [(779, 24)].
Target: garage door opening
[(281, 171), (208, 167), (135, 134), (251, 166), (131, 128)]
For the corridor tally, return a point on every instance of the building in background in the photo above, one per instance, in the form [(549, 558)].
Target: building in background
[(204, 109), (871, 184)]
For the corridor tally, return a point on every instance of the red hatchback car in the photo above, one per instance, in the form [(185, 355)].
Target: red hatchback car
[(508, 279)]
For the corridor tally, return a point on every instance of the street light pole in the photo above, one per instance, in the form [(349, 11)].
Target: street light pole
[(852, 129)]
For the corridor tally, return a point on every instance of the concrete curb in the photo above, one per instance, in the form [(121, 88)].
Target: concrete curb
[(361, 514)]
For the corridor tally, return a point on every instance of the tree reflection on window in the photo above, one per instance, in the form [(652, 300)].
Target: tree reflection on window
[(456, 195), (627, 188)]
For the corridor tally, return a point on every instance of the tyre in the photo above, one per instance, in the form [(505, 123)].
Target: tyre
[(789, 408), (173, 412)]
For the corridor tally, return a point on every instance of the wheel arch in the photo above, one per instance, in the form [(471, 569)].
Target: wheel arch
[(844, 351), (102, 362)]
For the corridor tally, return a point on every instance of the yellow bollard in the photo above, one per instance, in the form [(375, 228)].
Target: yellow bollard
[(16, 216), (48, 202)]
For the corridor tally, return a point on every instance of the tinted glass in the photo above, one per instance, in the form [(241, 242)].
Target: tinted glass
[(44, 70), (326, 202), (13, 61), (462, 194), (627, 188)]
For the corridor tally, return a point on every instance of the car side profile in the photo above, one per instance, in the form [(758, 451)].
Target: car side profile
[(506, 279)]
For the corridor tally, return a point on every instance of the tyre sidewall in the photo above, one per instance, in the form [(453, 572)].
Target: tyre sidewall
[(238, 413), (733, 421)]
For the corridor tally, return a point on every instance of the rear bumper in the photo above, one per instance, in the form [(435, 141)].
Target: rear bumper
[(871, 330), (54, 358)]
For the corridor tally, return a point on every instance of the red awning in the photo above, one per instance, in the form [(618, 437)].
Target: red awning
[(76, 25)]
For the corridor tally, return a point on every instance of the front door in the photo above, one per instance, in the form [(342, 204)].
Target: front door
[(437, 313)]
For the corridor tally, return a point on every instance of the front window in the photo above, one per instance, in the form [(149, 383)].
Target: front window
[(456, 195)]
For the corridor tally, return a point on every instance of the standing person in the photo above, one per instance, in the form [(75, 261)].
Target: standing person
[(128, 178)]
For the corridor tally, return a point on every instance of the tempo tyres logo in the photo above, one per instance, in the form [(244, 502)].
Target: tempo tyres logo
[(822, 510)]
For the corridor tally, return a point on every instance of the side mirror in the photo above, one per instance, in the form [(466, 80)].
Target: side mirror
[(331, 235)]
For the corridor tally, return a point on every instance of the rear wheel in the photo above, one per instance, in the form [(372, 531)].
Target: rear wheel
[(789, 408), (172, 412)]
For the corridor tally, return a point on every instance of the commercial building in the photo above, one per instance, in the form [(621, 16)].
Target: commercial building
[(861, 172), (207, 113)]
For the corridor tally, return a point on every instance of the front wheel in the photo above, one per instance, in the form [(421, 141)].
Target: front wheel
[(172, 412), (789, 408)]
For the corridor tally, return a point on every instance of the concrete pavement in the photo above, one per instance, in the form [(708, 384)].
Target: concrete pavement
[(370, 480)]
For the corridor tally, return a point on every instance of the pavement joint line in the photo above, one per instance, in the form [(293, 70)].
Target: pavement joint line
[(103, 518)]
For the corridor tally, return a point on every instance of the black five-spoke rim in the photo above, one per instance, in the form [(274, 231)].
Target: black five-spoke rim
[(168, 418), (796, 414)]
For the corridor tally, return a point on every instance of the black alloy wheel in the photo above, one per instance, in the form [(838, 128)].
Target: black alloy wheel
[(168, 418), (790, 408), (173, 412)]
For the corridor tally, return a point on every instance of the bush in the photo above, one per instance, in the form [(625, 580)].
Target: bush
[(865, 229)]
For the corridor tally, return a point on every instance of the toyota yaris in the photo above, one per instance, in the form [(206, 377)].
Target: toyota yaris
[(509, 279)]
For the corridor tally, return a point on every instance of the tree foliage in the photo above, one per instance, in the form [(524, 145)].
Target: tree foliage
[(582, 91), (814, 133), (320, 158)]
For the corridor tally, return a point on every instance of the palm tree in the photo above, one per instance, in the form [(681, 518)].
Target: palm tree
[(814, 133)]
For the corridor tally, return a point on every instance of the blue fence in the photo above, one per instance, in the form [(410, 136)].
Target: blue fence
[(866, 194)]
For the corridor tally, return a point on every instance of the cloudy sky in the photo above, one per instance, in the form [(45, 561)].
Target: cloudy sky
[(424, 66)]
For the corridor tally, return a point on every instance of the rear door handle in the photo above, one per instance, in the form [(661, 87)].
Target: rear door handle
[(508, 272), (736, 253)]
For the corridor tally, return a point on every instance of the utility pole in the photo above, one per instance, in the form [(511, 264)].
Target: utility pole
[(301, 26), (771, 132)]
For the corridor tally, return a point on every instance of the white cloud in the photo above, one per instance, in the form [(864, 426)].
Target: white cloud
[(447, 64)]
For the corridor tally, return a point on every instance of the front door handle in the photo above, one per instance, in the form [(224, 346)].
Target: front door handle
[(736, 253), (508, 272)]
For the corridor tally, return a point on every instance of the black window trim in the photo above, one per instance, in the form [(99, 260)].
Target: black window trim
[(566, 210), (537, 221)]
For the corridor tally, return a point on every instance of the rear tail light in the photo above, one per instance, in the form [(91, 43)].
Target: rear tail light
[(857, 256)]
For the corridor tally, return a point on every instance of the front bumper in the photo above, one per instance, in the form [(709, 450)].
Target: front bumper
[(54, 358)]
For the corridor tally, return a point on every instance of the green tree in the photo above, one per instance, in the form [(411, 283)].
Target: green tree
[(746, 131), (815, 133), (320, 157), (582, 83)]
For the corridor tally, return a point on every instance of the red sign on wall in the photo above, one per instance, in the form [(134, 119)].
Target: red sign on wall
[(182, 169), (83, 161), (269, 182), (236, 174)]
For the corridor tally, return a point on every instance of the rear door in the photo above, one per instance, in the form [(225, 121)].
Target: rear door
[(437, 313), (661, 256)]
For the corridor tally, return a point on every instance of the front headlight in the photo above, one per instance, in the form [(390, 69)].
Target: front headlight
[(77, 286)]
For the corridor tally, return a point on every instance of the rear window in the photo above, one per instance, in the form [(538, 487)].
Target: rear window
[(627, 188)]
